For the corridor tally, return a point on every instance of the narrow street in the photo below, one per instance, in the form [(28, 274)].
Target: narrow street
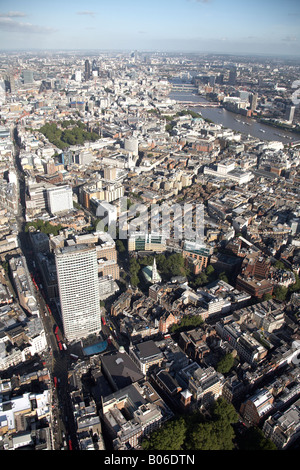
[(56, 361)]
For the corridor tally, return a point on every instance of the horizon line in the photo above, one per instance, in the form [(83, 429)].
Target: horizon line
[(157, 51)]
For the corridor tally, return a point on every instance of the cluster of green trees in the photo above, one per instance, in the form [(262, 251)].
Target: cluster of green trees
[(172, 123), (188, 322), (195, 432), (189, 112), (225, 364), (69, 133), (168, 265), (283, 293), (207, 276), (44, 227), (134, 269)]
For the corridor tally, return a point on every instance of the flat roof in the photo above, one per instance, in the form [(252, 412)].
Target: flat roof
[(121, 368), (148, 349)]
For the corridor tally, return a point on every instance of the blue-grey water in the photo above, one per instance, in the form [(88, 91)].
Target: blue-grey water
[(234, 121)]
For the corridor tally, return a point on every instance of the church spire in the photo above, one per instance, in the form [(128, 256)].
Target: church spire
[(155, 275)]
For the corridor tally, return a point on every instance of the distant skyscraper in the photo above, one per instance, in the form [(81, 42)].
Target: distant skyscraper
[(220, 79), (87, 70), (78, 284), (27, 76), (289, 113), (212, 80), (78, 75), (253, 101), (232, 76), (10, 83), (95, 67), (2, 92)]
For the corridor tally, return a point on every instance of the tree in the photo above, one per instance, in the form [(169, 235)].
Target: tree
[(267, 297), (224, 411), (254, 439), (280, 293), (120, 246), (134, 268), (188, 322), (223, 277), (68, 135), (216, 435), (203, 437), (296, 286), (225, 363), (171, 436), (279, 264), (210, 270), (134, 280), (44, 227), (201, 279), (171, 265)]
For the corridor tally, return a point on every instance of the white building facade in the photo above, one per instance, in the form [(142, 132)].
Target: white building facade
[(78, 284), (60, 199)]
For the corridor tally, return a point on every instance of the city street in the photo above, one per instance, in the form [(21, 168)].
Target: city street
[(56, 361)]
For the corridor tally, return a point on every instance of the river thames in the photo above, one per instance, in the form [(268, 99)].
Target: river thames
[(234, 121)]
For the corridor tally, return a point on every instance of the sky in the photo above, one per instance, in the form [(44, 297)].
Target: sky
[(203, 26)]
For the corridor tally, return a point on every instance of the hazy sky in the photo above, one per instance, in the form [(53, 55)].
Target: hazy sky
[(229, 26)]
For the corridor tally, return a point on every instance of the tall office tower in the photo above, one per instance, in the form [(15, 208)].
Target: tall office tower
[(2, 92), (10, 83), (77, 75), (60, 199), (27, 76), (212, 80), (95, 67), (220, 79), (232, 76), (78, 285), (289, 113), (253, 101), (87, 70)]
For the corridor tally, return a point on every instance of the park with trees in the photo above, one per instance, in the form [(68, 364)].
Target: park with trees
[(67, 133), (214, 430)]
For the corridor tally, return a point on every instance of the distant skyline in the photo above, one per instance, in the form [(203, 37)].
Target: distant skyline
[(204, 26)]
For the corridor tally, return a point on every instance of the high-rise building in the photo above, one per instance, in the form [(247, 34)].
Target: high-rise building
[(289, 113), (87, 70), (95, 68), (77, 76), (232, 76), (28, 76), (60, 199), (2, 92), (253, 101), (78, 285)]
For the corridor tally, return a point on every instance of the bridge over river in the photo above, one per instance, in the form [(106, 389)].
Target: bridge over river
[(203, 105)]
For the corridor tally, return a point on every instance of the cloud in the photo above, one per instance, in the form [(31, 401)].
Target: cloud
[(89, 13), (200, 1), (289, 39), (9, 25), (13, 14)]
